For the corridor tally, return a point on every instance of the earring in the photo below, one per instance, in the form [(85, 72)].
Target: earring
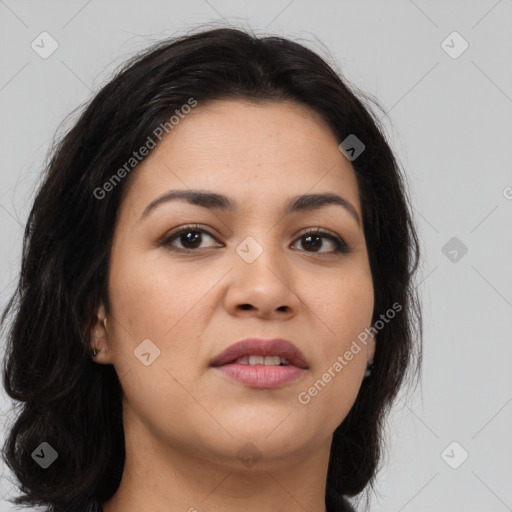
[(369, 369), (95, 353)]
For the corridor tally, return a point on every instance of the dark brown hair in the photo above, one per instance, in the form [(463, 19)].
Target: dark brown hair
[(74, 404)]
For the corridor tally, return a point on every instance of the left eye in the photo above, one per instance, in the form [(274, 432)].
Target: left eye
[(313, 237), (190, 238)]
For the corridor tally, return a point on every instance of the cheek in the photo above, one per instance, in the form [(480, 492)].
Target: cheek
[(163, 301), (150, 295), (344, 302), (344, 307)]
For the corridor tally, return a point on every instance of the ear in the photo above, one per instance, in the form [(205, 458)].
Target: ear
[(370, 348), (99, 337)]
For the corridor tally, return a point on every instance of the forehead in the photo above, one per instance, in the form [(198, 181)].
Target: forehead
[(255, 152)]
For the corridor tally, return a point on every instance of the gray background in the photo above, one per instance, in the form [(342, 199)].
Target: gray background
[(450, 125)]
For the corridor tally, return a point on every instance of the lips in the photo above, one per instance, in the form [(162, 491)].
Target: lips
[(260, 347)]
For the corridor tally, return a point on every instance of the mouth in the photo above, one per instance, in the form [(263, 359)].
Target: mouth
[(254, 360), (261, 363), (255, 351)]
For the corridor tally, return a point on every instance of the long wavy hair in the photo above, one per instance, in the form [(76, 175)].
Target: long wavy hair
[(74, 404)]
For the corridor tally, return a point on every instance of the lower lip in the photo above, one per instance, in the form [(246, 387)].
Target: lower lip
[(261, 376)]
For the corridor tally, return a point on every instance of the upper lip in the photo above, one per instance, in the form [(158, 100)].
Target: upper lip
[(260, 347)]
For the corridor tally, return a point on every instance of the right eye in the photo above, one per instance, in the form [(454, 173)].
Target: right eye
[(190, 237)]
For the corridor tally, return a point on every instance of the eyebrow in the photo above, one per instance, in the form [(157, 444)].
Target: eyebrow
[(215, 201)]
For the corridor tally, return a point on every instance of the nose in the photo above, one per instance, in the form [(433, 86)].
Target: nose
[(263, 288)]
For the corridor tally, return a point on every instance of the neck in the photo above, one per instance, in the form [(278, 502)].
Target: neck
[(174, 476)]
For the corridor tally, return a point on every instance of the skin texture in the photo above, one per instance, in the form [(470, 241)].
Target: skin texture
[(184, 421)]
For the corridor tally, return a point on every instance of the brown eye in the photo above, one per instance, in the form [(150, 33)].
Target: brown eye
[(189, 238), (313, 240)]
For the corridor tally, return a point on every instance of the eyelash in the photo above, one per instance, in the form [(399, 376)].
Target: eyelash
[(340, 244)]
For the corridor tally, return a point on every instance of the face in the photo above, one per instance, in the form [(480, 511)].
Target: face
[(256, 270)]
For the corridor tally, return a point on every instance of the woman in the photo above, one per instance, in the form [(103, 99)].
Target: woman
[(215, 308)]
